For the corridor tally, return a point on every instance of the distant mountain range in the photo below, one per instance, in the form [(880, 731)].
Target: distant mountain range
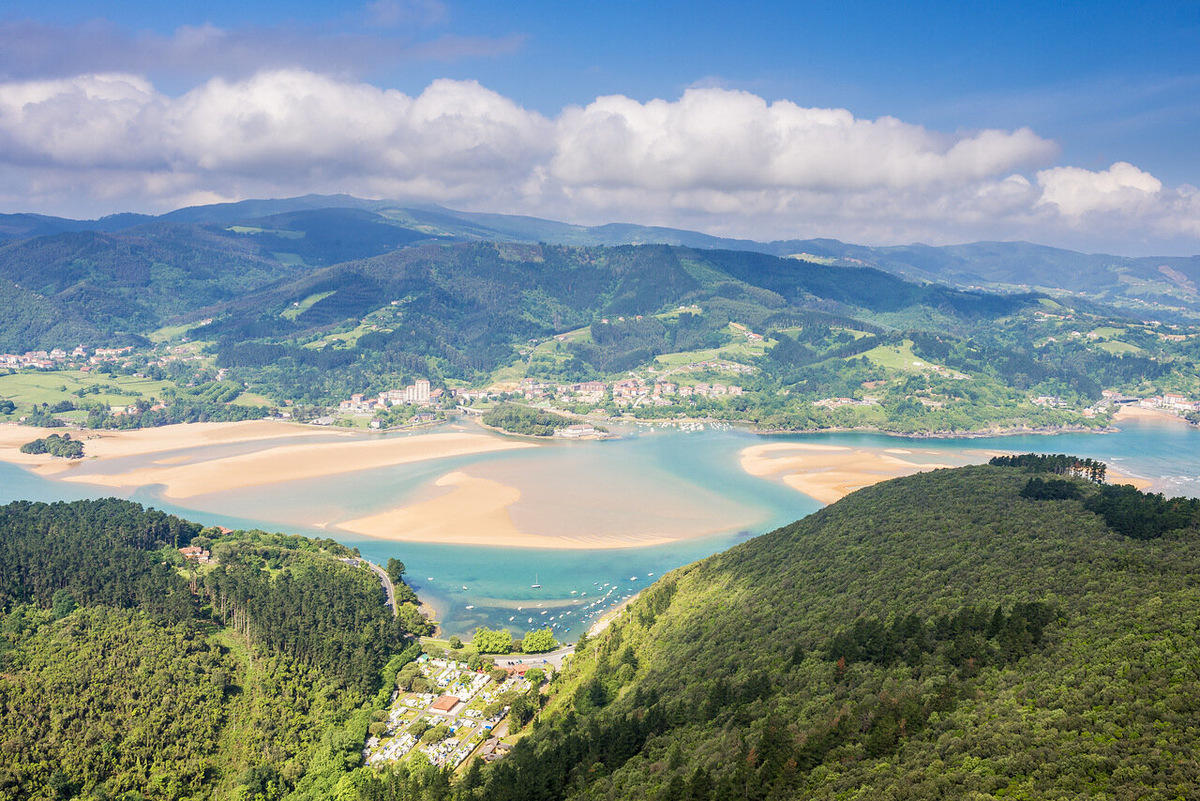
[(1169, 279), (67, 281)]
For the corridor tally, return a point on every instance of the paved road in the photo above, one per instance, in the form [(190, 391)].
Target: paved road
[(554, 658), (383, 576)]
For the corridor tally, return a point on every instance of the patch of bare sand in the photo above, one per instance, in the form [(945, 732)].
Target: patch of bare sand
[(1131, 411), (101, 445), (829, 473), (296, 462), (475, 511)]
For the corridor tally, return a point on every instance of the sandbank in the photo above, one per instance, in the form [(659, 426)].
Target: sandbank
[(269, 465), (105, 444), (828, 473), (475, 511)]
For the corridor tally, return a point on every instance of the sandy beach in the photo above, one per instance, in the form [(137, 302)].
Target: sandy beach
[(828, 473), (1131, 411), (192, 475)]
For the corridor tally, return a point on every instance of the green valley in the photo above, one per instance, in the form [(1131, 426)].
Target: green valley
[(808, 344)]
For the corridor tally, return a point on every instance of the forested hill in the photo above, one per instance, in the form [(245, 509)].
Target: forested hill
[(960, 633), (317, 230), (127, 673), (466, 307)]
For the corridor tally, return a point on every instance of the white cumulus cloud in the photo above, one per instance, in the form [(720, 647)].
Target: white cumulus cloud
[(729, 162), (722, 139)]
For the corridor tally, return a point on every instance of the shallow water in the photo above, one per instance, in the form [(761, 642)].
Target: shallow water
[(651, 480)]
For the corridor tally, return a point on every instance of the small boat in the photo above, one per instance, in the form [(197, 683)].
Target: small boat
[(470, 606), (510, 619), (631, 578), (535, 585), (464, 586), (529, 621)]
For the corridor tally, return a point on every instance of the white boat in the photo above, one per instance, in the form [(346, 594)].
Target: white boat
[(535, 585), (470, 606)]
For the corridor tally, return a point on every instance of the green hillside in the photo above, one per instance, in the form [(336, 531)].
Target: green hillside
[(930, 637), (306, 304), (129, 283), (126, 673), (982, 632)]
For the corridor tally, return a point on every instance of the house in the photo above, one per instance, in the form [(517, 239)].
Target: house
[(195, 552), (577, 431), (1171, 400)]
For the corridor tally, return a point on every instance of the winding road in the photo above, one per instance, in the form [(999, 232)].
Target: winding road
[(383, 576)]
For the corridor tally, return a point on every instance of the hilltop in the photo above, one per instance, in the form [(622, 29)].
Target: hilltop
[(932, 636), (325, 229)]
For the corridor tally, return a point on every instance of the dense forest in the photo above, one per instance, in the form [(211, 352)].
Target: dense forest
[(946, 633), (523, 420), (929, 637), (126, 672)]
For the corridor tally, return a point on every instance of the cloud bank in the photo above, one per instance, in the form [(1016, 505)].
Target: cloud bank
[(724, 161)]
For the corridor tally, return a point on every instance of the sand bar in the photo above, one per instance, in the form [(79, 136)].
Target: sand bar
[(475, 511), (104, 444), (828, 473), (185, 477)]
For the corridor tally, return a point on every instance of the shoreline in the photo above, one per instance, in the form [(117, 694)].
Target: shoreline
[(610, 617), (978, 433), (1132, 411), (828, 473)]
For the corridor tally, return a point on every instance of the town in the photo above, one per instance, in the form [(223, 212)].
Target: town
[(450, 711)]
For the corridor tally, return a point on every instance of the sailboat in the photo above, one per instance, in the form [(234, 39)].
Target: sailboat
[(535, 584)]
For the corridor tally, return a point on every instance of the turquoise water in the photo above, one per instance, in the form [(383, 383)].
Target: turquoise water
[(646, 481)]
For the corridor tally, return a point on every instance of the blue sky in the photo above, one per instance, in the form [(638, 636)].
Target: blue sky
[(1067, 123)]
